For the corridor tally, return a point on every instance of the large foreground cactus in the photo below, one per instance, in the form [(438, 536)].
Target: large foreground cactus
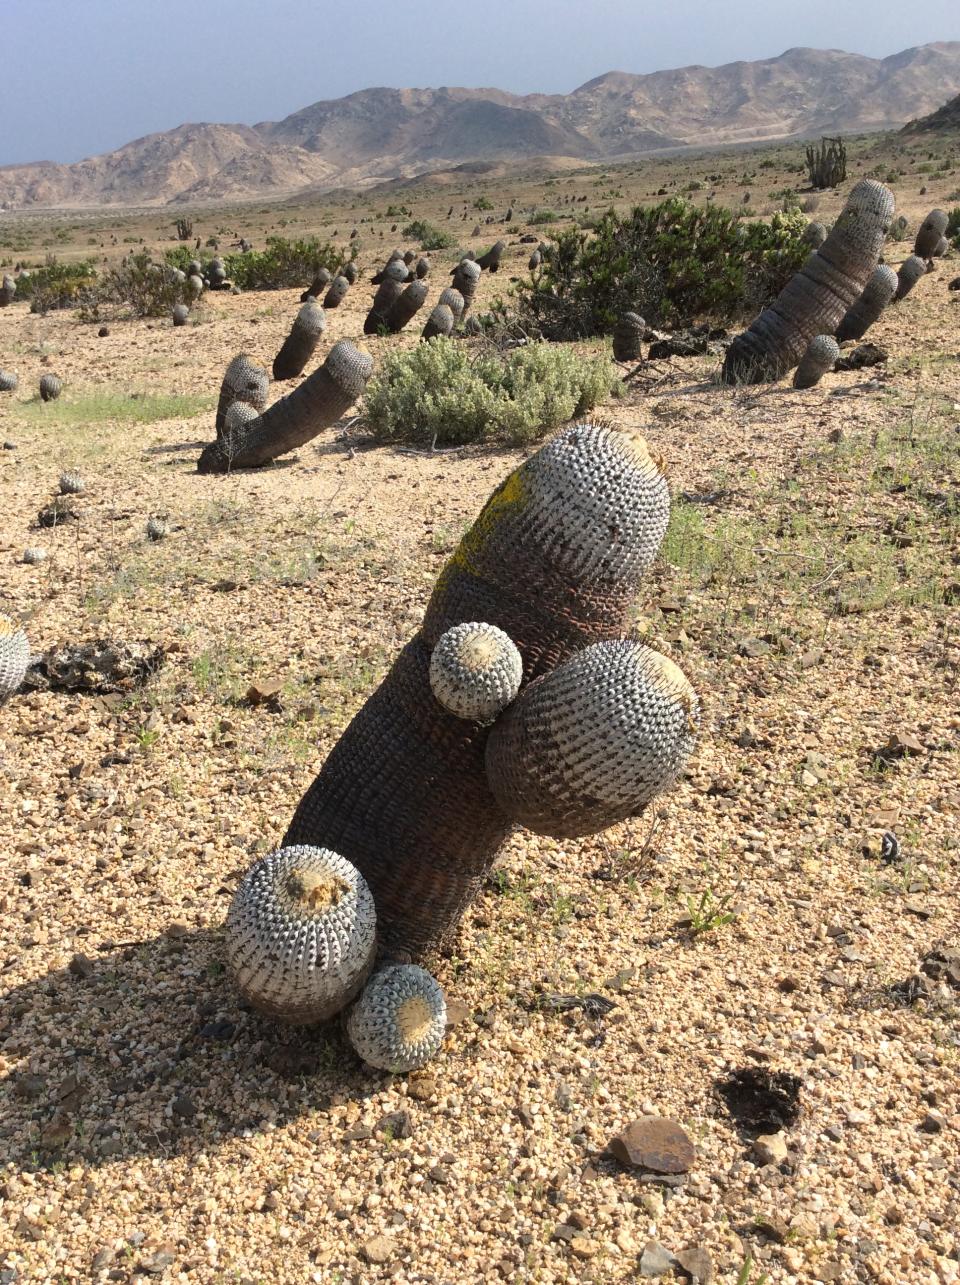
[(440, 322), (815, 299), (300, 345), (553, 561), (877, 293), (319, 401), (243, 381)]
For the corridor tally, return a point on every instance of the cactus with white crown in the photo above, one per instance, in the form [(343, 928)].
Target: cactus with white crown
[(71, 483), (400, 1019), (911, 270), (440, 322), (628, 336), (877, 293), (243, 382), (14, 657)]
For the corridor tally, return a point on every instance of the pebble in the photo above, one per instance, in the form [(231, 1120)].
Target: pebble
[(655, 1144), (697, 1263), (770, 1148), (655, 1260), (379, 1249)]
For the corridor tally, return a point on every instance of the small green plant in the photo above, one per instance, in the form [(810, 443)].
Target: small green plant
[(282, 263), (437, 394), (708, 912), (482, 203), (429, 236), (953, 226), (543, 216), (139, 286)]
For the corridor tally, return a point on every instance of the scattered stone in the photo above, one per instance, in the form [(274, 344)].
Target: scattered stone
[(397, 1124), (422, 1087), (380, 1249), (773, 1227), (655, 1144), (770, 1148), (696, 1263), (184, 1107), (655, 1260), (754, 648), (862, 356), (583, 1247), (262, 693), (457, 1012), (933, 1122), (81, 966)]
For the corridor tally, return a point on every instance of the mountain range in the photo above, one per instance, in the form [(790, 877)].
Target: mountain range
[(379, 134)]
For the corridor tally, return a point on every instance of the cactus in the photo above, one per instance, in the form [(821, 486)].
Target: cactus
[(217, 274), (195, 268), (465, 278), (911, 270), (181, 314), (491, 260), (394, 270), (337, 292), (475, 671), (422, 269), (815, 299), (627, 337), (238, 414), (320, 400), (535, 260), (453, 300), (71, 483), (814, 235), (33, 555), (440, 322), (8, 290), (14, 658), (592, 742), (409, 256), (827, 165), (195, 285), (940, 249), (317, 286), (350, 272), (243, 382), (300, 934), (184, 229), (51, 386), (400, 1019), (554, 560), (156, 528), (388, 292), (407, 305), (929, 233), (473, 326), (300, 345), (8, 381), (877, 293), (820, 356)]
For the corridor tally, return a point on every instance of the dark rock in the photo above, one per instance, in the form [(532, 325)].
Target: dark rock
[(184, 1107), (655, 1144), (761, 1100), (655, 1260), (81, 966), (862, 356), (397, 1124)]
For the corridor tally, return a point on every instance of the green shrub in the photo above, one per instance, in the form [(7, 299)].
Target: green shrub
[(139, 285), (283, 263), (482, 203), (673, 262), (439, 394), (953, 226), (543, 216), (429, 236), (56, 285)]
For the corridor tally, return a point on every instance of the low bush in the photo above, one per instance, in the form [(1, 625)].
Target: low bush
[(56, 285), (438, 393), (675, 263), (138, 285), (283, 263), (539, 217), (429, 236)]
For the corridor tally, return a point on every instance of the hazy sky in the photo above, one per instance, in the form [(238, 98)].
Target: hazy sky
[(84, 76)]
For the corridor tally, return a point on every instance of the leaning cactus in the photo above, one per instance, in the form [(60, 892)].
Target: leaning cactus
[(816, 361), (475, 671), (181, 314), (627, 336), (51, 386), (440, 322), (453, 300), (407, 305), (400, 1019), (14, 657), (8, 381), (243, 382), (491, 260), (350, 272), (320, 400), (554, 561), (317, 285), (337, 292), (877, 293), (300, 345), (592, 742), (300, 934), (388, 292), (940, 249), (534, 261), (465, 278), (71, 483), (422, 269), (195, 285), (815, 299), (911, 270), (8, 289), (929, 233)]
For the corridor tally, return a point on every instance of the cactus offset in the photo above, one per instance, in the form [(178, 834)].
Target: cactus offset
[(406, 306), (195, 285), (816, 361), (940, 249), (300, 934), (815, 299), (388, 292), (475, 671), (814, 235), (180, 314), (51, 386), (350, 272), (911, 270), (156, 529), (400, 1019), (317, 285), (243, 382), (465, 278), (8, 290), (452, 299), (71, 483), (14, 657), (877, 293), (319, 401), (491, 260), (8, 381), (627, 337), (422, 269), (929, 234), (440, 322), (300, 345), (337, 292)]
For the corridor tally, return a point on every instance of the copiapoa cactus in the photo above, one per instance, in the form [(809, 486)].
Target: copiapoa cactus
[(320, 400), (317, 285), (238, 414), (475, 671), (180, 314), (406, 306), (409, 256), (71, 483), (814, 234), (628, 336), (816, 361), (300, 934), (156, 529), (8, 381), (911, 270), (815, 299), (422, 269), (335, 296), (34, 555), (400, 1019), (350, 272), (929, 233), (301, 343), (465, 278), (217, 274), (453, 300), (440, 322), (14, 657), (195, 285), (395, 270), (554, 561), (8, 290), (388, 292), (942, 246), (534, 261), (51, 386), (877, 293), (490, 261), (243, 381)]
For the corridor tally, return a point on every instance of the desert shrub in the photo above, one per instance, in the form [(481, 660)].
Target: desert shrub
[(440, 393), (482, 203), (674, 262), (543, 216), (56, 285), (139, 285), (899, 228), (953, 226), (283, 263), (429, 236)]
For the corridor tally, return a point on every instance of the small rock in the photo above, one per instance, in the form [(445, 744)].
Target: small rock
[(184, 1107), (655, 1260), (754, 648), (158, 1261), (933, 1122), (770, 1148), (397, 1124), (457, 1012), (564, 1232), (696, 1263), (655, 1144), (774, 1228), (422, 1087), (80, 966), (582, 1247), (380, 1249), (260, 693), (101, 1260)]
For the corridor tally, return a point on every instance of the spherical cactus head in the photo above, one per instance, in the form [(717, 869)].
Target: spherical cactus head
[(34, 555), (8, 381), (475, 671), (593, 741), (911, 270), (238, 414), (821, 355), (396, 270), (71, 483), (349, 367), (311, 318), (181, 314), (399, 1021), (156, 529), (14, 657), (51, 387), (300, 936)]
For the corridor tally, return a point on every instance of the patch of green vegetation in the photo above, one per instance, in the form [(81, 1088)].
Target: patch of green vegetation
[(96, 407), (429, 235)]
